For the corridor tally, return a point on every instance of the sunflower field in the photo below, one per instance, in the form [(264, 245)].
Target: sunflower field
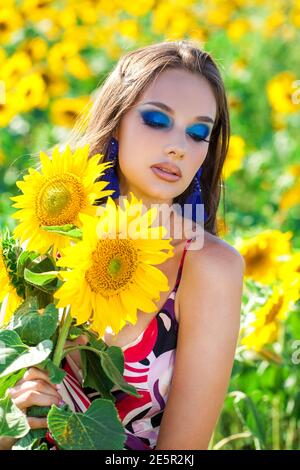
[(54, 54)]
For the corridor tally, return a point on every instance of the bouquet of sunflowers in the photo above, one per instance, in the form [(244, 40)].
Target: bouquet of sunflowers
[(68, 271)]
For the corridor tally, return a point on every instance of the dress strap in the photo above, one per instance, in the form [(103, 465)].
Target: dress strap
[(187, 243)]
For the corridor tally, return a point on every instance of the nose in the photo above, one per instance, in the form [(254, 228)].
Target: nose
[(175, 150)]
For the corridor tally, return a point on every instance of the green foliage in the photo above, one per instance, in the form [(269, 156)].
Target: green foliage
[(92, 430)]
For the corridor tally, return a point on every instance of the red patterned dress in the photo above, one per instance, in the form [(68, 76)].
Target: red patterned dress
[(148, 366)]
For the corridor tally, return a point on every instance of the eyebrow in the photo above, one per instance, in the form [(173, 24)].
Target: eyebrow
[(170, 110)]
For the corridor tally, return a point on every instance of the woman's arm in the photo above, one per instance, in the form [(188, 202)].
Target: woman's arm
[(209, 308)]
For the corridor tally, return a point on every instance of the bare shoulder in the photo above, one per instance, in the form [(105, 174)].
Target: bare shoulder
[(212, 258), (212, 251)]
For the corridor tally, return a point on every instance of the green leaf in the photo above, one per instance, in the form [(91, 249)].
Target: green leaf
[(34, 325), (13, 422), (11, 347), (99, 428), (41, 279), (31, 303), (97, 343), (10, 381), (74, 333), (42, 446), (24, 260), (56, 374), (15, 355), (113, 372), (68, 230), (38, 411), (94, 376), (250, 416), (30, 441)]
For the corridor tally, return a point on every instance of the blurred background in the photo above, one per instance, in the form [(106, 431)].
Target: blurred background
[(53, 55)]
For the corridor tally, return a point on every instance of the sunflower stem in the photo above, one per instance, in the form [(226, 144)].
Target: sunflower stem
[(63, 334), (82, 347)]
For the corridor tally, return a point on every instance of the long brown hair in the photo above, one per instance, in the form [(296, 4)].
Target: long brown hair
[(132, 74)]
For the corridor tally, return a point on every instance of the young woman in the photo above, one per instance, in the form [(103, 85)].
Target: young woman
[(163, 110)]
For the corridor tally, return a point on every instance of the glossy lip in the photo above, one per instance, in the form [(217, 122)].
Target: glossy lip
[(164, 175), (169, 167)]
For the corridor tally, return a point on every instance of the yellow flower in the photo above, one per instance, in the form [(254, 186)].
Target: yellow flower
[(65, 111), (266, 326), (262, 254), (129, 28), (8, 294), (112, 273), (218, 14), (235, 155), (290, 266), (30, 93), (295, 13), (174, 18), (77, 67), (63, 190), (56, 85), (273, 22), (10, 21), (36, 10), (15, 67), (2, 157), (280, 90), (79, 33), (138, 8), (8, 109), (35, 48), (291, 197), (238, 28), (60, 54)]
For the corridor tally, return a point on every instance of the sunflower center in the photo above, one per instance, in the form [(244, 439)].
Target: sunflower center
[(60, 200), (113, 266)]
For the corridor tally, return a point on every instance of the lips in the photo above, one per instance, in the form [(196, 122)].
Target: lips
[(168, 168)]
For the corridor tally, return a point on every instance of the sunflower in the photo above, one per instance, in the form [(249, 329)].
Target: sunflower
[(265, 328), (112, 273), (64, 189), (264, 253), (8, 295)]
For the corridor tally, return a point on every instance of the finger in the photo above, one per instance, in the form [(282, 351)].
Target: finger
[(37, 385), (31, 398), (82, 340), (36, 423), (33, 373)]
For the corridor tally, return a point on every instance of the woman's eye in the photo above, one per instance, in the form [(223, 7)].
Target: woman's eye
[(199, 132), (155, 119)]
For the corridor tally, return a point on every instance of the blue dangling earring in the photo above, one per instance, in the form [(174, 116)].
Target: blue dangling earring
[(196, 196), (111, 174)]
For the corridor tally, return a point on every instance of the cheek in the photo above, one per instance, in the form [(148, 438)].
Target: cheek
[(200, 155), (194, 163)]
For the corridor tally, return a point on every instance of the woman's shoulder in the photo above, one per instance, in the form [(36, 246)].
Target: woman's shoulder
[(214, 271), (209, 253)]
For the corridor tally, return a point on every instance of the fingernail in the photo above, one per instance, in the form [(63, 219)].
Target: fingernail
[(58, 386), (61, 403)]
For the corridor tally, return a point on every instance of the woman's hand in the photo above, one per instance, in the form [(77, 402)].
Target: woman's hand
[(35, 388)]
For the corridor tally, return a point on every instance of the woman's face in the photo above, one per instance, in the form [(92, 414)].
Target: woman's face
[(153, 134)]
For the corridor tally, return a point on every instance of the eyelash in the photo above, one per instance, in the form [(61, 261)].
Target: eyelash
[(157, 125)]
